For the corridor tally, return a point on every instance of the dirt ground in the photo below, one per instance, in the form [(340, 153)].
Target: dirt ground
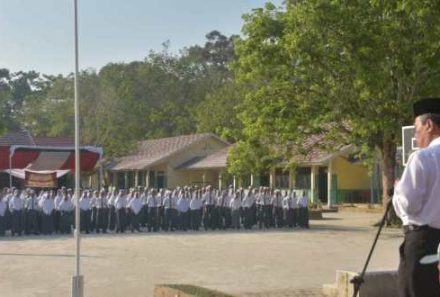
[(266, 263)]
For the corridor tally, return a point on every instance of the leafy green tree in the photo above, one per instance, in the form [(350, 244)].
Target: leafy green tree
[(346, 70)]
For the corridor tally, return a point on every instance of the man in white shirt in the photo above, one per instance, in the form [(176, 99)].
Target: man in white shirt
[(121, 212), (47, 206), (101, 205), (247, 204), (2, 215), (152, 202), (416, 201), (16, 205), (135, 206), (195, 206), (85, 211), (277, 203), (66, 214), (31, 205), (235, 206)]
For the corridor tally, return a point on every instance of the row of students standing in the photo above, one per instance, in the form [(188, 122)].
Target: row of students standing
[(186, 208)]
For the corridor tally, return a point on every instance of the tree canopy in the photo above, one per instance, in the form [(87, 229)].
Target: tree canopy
[(349, 70)]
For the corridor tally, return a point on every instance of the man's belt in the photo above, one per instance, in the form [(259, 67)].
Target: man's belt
[(410, 228)]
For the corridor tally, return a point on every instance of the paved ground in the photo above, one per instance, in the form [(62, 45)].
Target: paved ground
[(255, 263)]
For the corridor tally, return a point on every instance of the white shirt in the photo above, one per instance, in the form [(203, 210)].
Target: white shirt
[(209, 198), (182, 204), (120, 202), (2, 207), (65, 205), (84, 203), (57, 201), (135, 205), (16, 203), (303, 201), (31, 202), (47, 205), (152, 201), (195, 204), (248, 201), (277, 200), (416, 196), (235, 203)]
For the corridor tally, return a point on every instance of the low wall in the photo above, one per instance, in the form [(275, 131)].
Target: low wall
[(376, 284), (186, 291)]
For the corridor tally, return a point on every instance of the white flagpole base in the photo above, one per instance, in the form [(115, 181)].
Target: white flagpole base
[(78, 286)]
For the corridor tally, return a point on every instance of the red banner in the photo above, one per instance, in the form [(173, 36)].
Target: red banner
[(41, 180)]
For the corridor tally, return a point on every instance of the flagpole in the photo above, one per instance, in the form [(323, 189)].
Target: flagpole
[(77, 280)]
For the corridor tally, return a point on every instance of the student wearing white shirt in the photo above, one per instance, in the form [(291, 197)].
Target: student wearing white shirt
[(247, 204), (235, 206), (303, 211), (85, 211), (56, 213), (277, 203), (47, 206), (2, 215), (120, 208), (168, 205), (31, 209), (195, 206), (111, 197), (101, 205), (183, 207), (135, 206), (16, 205), (66, 208), (152, 202), (416, 201)]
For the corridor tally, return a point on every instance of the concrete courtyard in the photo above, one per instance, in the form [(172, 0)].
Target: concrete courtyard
[(260, 263)]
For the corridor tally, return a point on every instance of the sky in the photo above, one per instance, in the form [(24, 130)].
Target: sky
[(38, 34)]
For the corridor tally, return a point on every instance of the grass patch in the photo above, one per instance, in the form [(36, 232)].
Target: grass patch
[(197, 291)]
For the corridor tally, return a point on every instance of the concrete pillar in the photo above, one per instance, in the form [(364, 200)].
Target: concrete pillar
[(272, 178), (329, 183), (220, 180), (147, 179), (136, 178), (234, 183), (115, 178), (126, 180), (252, 180), (291, 178), (312, 184)]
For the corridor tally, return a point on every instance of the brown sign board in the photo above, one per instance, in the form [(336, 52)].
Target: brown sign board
[(41, 180)]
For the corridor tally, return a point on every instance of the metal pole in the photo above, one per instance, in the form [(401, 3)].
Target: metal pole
[(358, 280), (10, 168), (77, 280)]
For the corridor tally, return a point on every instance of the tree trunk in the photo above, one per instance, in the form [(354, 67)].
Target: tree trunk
[(388, 178)]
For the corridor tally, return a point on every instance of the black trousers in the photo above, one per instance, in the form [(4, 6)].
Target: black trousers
[(101, 219), (46, 223), (415, 279), (31, 222), (111, 218), (121, 220), (66, 219), (17, 222), (2, 225), (152, 219)]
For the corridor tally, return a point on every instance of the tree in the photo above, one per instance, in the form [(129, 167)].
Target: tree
[(346, 70)]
